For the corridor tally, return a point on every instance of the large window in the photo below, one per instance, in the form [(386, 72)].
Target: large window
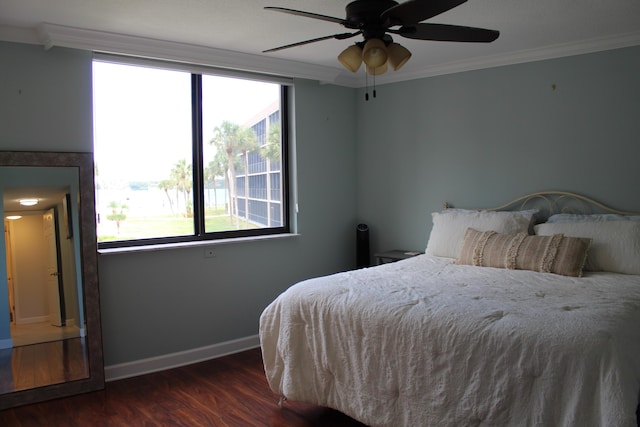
[(183, 156)]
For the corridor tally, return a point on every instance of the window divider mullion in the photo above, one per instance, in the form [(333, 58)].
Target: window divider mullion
[(198, 163)]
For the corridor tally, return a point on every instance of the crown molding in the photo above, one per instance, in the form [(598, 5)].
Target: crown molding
[(50, 35)]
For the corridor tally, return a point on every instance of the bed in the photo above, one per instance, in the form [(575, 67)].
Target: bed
[(525, 317)]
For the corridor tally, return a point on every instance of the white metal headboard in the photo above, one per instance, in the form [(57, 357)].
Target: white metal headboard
[(553, 202)]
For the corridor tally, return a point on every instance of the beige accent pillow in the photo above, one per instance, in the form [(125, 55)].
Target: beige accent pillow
[(548, 254)]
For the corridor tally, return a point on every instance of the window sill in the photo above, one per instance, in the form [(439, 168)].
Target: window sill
[(171, 246)]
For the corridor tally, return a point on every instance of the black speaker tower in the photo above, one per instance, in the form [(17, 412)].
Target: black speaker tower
[(362, 246)]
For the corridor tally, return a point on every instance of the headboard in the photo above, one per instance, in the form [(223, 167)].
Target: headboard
[(553, 202)]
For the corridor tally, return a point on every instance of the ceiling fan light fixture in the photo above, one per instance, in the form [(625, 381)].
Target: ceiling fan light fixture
[(376, 71), (374, 53), (351, 58), (373, 19), (398, 55)]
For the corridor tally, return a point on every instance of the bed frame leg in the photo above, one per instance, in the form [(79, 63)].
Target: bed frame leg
[(281, 401)]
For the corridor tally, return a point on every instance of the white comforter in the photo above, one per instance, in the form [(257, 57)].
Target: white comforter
[(424, 342)]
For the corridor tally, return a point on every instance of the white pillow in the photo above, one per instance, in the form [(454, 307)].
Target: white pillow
[(591, 217), (615, 245), (449, 227)]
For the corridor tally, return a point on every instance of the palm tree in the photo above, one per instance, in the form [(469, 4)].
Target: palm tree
[(215, 169), (182, 176), (271, 150), (209, 178), (167, 185), (233, 139), (221, 161)]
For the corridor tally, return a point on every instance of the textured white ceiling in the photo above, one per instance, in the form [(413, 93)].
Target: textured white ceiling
[(528, 29)]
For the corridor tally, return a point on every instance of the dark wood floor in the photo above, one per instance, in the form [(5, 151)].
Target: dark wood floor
[(36, 365), (231, 391)]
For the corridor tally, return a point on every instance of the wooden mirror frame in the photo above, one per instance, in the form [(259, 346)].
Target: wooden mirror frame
[(89, 261)]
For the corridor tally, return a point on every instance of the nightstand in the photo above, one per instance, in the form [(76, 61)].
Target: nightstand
[(394, 255)]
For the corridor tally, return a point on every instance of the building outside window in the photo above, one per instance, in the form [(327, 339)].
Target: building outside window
[(260, 200)]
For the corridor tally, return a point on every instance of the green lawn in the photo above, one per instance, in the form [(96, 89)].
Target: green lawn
[(165, 226)]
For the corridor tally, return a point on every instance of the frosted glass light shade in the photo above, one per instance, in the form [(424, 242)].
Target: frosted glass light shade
[(374, 53), (377, 70), (398, 55), (351, 58), (28, 202)]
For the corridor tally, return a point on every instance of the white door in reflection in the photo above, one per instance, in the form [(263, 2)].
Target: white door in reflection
[(54, 284)]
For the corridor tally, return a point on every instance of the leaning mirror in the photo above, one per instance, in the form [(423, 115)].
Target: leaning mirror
[(50, 333)]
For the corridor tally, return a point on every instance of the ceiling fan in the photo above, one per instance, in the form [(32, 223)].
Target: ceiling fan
[(376, 19)]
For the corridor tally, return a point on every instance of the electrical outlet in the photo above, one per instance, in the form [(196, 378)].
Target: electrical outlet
[(208, 253)]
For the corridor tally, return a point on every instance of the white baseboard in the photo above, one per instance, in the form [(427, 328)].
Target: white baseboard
[(174, 360), (30, 320), (6, 343)]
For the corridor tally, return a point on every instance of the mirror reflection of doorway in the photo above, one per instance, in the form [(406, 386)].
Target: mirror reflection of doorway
[(41, 265), (47, 333)]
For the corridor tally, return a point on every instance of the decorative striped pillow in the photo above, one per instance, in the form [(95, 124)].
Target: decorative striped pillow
[(548, 254)]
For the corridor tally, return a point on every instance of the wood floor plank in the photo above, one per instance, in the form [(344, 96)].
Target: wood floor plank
[(35, 365), (231, 391)]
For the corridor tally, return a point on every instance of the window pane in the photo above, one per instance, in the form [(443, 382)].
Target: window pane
[(143, 155), (241, 154)]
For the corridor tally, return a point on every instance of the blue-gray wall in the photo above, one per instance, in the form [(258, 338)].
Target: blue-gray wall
[(474, 139), (482, 138), (45, 99), (156, 303)]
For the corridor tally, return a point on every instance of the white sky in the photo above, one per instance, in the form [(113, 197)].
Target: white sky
[(142, 117)]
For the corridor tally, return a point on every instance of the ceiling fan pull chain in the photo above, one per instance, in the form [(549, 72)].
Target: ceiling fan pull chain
[(374, 84), (366, 86)]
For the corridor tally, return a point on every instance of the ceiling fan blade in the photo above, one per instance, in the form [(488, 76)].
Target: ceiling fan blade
[(414, 11), (340, 36), (447, 33), (307, 14)]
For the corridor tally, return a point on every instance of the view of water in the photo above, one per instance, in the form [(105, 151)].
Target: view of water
[(153, 202)]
